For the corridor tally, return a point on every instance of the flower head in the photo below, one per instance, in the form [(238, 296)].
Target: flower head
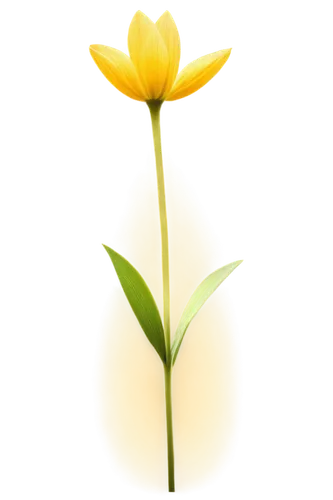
[(151, 70)]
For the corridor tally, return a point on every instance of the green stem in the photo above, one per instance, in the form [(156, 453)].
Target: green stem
[(168, 404), (155, 107)]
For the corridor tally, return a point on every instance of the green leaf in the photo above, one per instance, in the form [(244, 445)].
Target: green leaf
[(202, 293), (141, 301)]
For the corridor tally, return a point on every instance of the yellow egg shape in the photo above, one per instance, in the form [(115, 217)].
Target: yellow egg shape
[(129, 375)]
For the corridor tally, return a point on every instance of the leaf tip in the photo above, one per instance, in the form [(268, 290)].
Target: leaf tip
[(103, 244), (238, 262)]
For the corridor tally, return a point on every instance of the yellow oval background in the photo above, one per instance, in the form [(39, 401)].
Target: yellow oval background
[(129, 377)]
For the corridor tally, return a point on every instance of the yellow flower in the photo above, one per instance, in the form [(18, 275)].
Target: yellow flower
[(150, 73)]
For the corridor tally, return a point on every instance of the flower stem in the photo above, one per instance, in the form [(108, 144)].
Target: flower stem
[(155, 107), (168, 404)]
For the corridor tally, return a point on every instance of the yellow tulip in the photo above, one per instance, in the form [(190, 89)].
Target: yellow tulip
[(182, 440), (150, 73)]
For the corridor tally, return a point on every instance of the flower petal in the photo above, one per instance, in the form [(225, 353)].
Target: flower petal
[(168, 29), (118, 68), (149, 54), (196, 74)]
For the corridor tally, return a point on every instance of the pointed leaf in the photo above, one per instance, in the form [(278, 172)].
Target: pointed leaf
[(202, 293), (141, 301)]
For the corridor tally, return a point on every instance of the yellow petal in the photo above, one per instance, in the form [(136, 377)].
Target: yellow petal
[(149, 54), (118, 68), (168, 29), (128, 377), (196, 74)]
